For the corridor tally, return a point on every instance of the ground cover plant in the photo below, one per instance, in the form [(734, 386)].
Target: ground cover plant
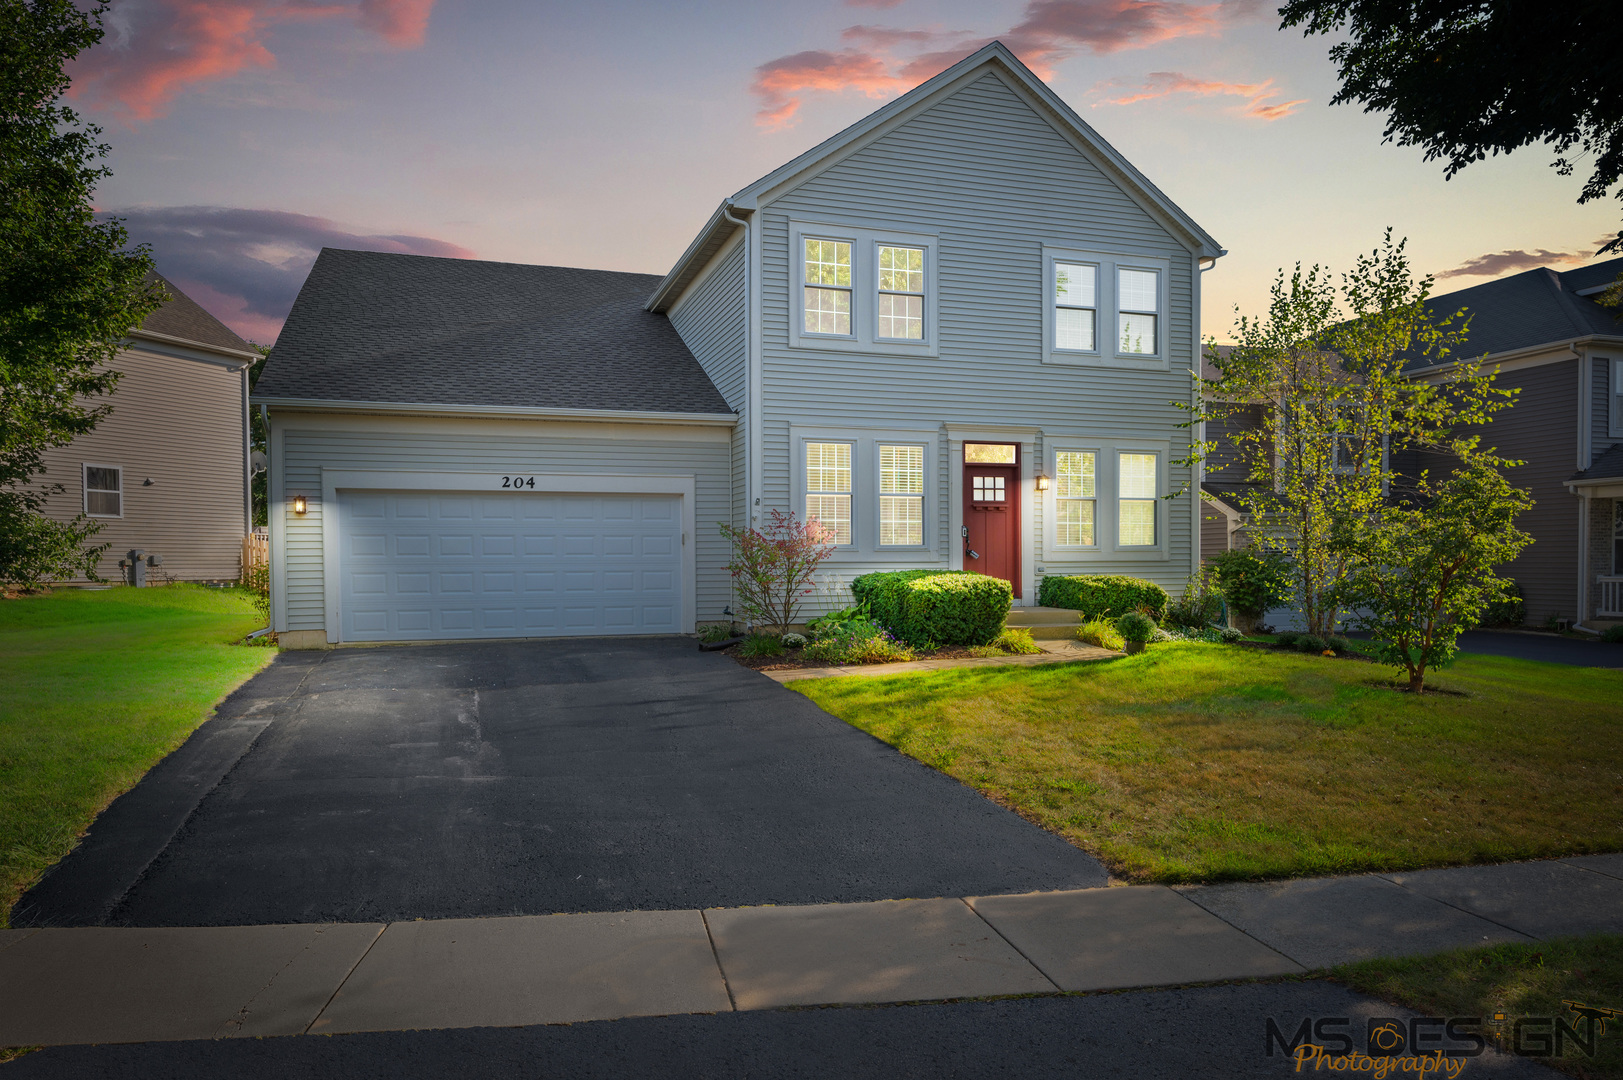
[(1196, 762), (1512, 980), (95, 688)]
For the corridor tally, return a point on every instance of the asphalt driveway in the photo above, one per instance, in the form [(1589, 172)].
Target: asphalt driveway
[(1551, 648), (523, 778)]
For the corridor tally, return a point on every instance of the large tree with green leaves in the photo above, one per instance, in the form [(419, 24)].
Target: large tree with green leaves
[(1463, 79), (1328, 365), (70, 287)]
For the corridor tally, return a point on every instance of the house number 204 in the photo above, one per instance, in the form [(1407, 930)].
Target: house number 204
[(518, 481)]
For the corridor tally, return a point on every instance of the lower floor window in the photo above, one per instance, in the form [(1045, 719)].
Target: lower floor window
[(1135, 488), (104, 491), (1074, 498), (901, 496), (828, 488)]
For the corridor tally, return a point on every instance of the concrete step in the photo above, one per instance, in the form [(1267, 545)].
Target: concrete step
[(1045, 622)]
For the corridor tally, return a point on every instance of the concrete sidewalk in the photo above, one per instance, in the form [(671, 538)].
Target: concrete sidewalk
[(99, 984)]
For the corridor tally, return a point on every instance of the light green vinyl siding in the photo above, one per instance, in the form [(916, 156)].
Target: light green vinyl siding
[(710, 320)]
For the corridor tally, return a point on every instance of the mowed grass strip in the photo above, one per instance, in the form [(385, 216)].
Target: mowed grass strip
[(1533, 980), (1216, 762), (95, 688)]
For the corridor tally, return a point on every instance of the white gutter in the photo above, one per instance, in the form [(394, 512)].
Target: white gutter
[(630, 416), (189, 343)]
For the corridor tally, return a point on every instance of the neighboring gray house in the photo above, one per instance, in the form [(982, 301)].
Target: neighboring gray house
[(167, 472), (1546, 335), (953, 333)]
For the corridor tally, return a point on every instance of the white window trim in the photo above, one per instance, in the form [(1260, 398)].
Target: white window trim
[(84, 488), (1615, 404), (865, 547), (803, 494), (1107, 319), (1106, 493), (865, 243)]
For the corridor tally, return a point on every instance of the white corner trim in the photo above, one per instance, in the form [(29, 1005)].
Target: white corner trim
[(334, 481)]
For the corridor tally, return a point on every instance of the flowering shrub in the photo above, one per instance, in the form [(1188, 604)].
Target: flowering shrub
[(773, 567), (795, 641), (856, 641)]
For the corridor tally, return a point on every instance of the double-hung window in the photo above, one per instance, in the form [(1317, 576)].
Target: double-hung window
[(1075, 498), (1138, 301), (901, 293), (1076, 306), (828, 287), (104, 491), (901, 495), (828, 488), (1135, 499)]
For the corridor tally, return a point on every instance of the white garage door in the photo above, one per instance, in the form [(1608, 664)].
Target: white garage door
[(419, 565)]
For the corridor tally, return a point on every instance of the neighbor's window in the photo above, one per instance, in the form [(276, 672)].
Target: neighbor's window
[(1076, 306), (901, 293), (828, 287), (901, 496), (828, 487), (1136, 297), (1074, 498), (104, 491), (1135, 495), (1617, 397)]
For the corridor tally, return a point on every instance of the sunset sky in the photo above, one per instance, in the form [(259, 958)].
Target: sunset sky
[(247, 134)]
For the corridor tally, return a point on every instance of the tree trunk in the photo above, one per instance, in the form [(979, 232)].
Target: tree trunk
[(1417, 681)]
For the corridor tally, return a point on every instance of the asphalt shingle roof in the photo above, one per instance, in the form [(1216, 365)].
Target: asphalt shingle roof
[(182, 318), (370, 326), (1532, 308), (1606, 467)]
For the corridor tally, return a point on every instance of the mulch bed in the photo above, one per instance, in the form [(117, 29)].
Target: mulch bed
[(793, 658)]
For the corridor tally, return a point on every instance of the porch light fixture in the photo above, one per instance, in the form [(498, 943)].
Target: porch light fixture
[(299, 505), (1042, 481)]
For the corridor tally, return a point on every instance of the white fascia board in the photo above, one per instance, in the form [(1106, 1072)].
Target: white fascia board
[(186, 349), (1530, 356), (713, 236), (877, 123), (632, 416)]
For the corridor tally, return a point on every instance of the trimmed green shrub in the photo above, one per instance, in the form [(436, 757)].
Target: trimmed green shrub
[(1252, 581), (930, 607), (1508, 610), (1100, 632), (1136, 626), (1311, 643), (1288, 639), (1612, 633), (1338, 643), (1229, 636), (1103, 596)]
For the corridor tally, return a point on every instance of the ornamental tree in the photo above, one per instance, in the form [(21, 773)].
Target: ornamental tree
[(69, 291), (773, 567), (1328, 365), (1427, 568)]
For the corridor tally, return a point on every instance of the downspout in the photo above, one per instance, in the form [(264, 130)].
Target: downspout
[(247, 460), (752, 380), (274, 524), (1199, 479)]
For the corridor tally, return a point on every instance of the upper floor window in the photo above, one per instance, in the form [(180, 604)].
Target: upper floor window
[(1076, 306), (901, 293), (863, 290), (901, 495), (828, 488), (1138, 295), (1105, 310), (828, 287), (1136, 497), (104, 491), (1074, 498)]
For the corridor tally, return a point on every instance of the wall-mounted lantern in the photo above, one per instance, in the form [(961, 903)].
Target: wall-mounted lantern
[(1042, 481), (299, 505)]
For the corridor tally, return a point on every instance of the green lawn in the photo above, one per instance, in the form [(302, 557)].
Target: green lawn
[(1513, 981), (1215, 762), (95, 688)]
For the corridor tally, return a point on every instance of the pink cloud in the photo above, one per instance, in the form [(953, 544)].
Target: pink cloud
[(169, 46), (1514, 261), (1051, 31), (1162, 84)]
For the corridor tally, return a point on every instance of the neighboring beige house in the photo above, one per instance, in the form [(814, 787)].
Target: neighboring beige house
[(168, 473)]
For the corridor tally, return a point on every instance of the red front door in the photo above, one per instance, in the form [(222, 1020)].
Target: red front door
[(992, 519)]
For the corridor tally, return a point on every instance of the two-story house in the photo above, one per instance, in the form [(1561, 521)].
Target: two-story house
[(168, 472), (953, 333)]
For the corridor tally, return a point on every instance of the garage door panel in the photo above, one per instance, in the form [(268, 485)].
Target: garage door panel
[(428, 566)]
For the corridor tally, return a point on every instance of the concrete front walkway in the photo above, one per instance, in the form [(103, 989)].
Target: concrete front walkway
[(114, 984)]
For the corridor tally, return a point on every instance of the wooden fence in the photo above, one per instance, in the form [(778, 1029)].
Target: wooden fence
[(255, 551)]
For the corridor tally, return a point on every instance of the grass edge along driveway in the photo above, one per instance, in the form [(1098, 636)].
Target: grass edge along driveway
[(96, 687), (1193, 763)]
